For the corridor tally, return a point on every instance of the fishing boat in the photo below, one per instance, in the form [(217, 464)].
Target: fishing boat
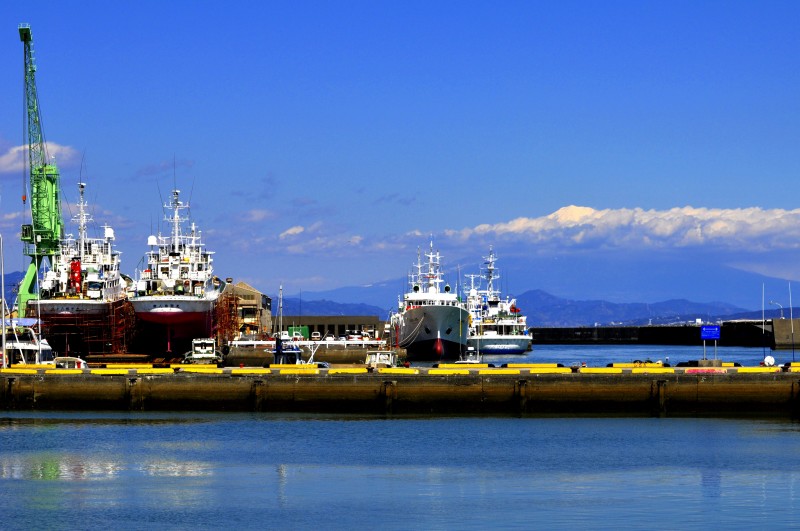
[(176, 293), (497, 325), (23, 344), (82, 300), (430, 323)]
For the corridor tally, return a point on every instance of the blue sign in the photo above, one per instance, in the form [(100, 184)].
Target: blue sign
[(709, 332)]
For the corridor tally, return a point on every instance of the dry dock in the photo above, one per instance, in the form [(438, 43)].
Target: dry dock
[(514, 390)]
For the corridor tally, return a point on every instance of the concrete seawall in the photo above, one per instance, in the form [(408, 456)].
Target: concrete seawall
[(787, 333), (744, 333), (770, 392)]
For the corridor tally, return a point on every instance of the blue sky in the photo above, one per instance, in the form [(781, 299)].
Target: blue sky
[(321, 143)]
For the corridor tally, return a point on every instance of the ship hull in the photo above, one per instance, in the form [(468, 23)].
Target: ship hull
[(167, 324), (433, 333), (83, 327), (76, 307), (492, 345)]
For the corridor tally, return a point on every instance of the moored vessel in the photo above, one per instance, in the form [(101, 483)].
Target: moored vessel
[(431, 323), (23, 345), (82, 300), (176, 292), (497, 325)]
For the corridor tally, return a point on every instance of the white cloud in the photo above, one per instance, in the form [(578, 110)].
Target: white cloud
[(13, 160), (292, 231), (752, 228), (256, 214)]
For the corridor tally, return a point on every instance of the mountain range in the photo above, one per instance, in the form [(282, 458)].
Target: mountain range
[(542, 308), (608, 288), (546, 310)]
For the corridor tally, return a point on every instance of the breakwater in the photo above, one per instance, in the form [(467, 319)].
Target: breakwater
[(531, 390), (744, 333), (787, 333)]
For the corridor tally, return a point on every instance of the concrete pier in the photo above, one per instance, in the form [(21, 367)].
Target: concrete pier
[(643, 391)]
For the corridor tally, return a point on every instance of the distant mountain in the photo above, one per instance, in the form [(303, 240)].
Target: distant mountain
[(544, 309), (541, 307), (632, 277), (292, 306), (601, 276), (381, 294)]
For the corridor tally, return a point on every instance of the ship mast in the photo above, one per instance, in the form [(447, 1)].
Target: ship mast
[(82, 219), (176, 220), (434, 275), (490, 275)]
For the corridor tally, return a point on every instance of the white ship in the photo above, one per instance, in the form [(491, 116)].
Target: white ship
[(176, 293), (82, 297), (431, 323), (497, 325)]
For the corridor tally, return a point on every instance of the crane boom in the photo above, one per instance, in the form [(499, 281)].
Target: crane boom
[(41, 237)]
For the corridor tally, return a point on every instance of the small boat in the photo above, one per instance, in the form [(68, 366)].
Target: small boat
[(471, 356), (69, 362), (380, 359), (286, 352), (497, 325), (431, 322), (204, 351), (24, 346)]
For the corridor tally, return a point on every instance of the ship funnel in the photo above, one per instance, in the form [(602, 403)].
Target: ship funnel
[(152, 240), (109, 233)]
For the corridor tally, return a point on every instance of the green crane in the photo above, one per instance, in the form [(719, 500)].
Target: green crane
[(41, 237)]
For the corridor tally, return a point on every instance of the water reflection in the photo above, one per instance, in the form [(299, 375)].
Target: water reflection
[(51, 467), (306, 471), (176, 469), (282, 483), (711, 483)]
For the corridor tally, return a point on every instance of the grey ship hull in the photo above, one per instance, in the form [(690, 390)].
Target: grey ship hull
[(433, 333)]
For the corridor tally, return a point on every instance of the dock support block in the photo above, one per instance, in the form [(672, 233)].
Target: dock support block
[(389, 394), (660, 398), (522, 397)]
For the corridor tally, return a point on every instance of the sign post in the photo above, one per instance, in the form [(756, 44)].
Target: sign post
[(708, 332)]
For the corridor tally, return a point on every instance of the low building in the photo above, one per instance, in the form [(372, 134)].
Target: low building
[(337, 325), (253, 309)]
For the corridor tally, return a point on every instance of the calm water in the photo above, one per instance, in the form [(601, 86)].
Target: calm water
[(599, 356), (258, 471)]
